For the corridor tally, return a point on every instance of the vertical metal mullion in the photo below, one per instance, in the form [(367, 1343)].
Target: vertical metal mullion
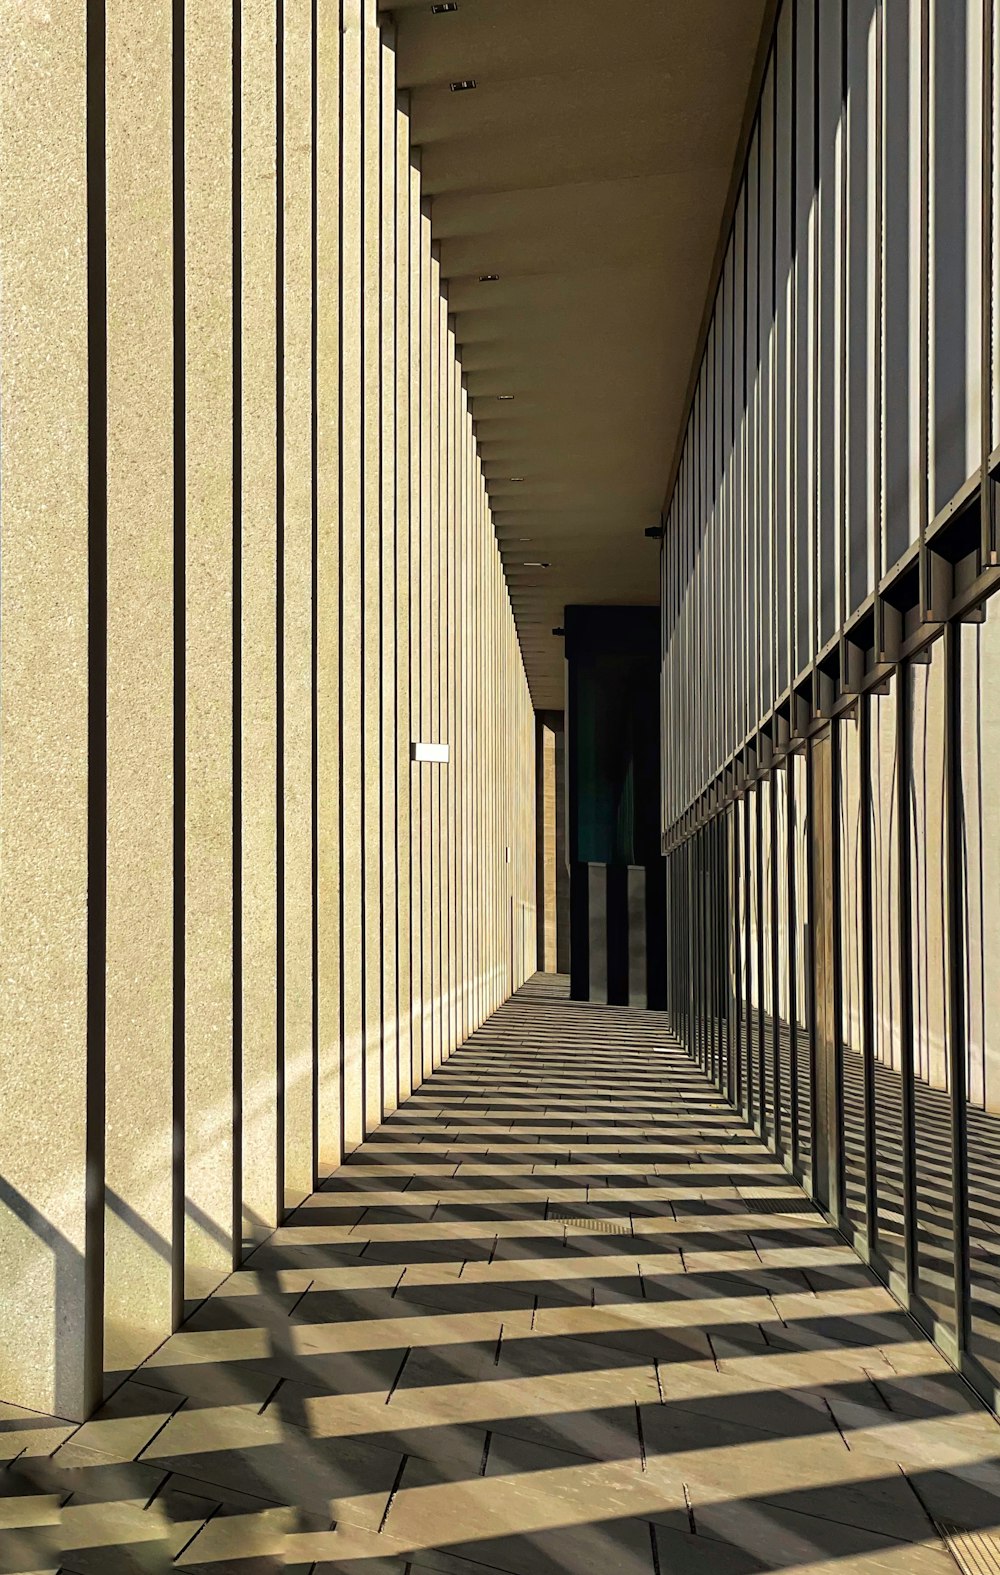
[(809, 969), (923, 361), (955, 942), (904, 773), (736, 1075), (775, 1020), (692, 929), (836, 979), (841, 371), (814, 367), (748, 1037), (713, 979), (706, 926), (713, 903), (792, 422), (986, 326), (699, 888), (761, 1031), (718, 902), (867, 942), (877, 359), (793, 1027)]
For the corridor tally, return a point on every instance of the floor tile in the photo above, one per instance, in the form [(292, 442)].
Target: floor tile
[(537, 1324)]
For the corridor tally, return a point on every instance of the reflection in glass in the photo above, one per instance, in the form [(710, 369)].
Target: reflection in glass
[(765, 1041), (698, 934), (720, 920), (935, 1213), (731, 886), (884, 830), (739, 949), (751, 1088), (798, 784), (782, 1008), (852, 932), (980, 837)]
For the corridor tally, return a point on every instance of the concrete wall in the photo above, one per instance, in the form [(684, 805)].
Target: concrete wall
[(552, 879), (247, 559)]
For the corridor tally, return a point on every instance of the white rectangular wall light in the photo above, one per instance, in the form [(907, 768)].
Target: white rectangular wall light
[(430, 752)]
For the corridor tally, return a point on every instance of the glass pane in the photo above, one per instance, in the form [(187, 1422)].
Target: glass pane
[(980, 809), (717, 993), (801, 975), (852, 921), (743, 914), (765, 1046), (783, 939), (886, 977), (732, 947), (701, 943), (935, 1213), (751, 1090)]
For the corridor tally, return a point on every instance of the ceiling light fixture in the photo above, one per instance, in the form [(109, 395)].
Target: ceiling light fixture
[(517, 478), (489, 278), (464, 85), (448, 5), (505, 396), (534, 565)]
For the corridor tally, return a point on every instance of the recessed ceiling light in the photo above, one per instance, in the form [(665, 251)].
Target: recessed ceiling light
[(505, 396), (489, 278), (448, 5), (525, 538), (517, 478), (463, 85), (533, 565)]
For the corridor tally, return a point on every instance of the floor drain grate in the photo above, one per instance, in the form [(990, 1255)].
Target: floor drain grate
[(975, 1552), (780, 1205), (602, 1227)]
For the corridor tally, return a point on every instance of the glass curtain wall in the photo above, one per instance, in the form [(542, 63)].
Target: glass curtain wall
[(916, 788), (848, 609)]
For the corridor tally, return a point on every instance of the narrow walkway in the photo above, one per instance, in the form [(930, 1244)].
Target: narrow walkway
[(561, 1315)]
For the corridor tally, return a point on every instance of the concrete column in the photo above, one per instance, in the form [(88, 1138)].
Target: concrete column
[(247, 558), (426, 538), (257, 592), (432, 670), (207, 853), (562, 861), (388, 613), (329, 132), (545, 821), (47, 1353), (415, 625), (352, 403), (403, 506), (296, 874), (139, 1179), (371, 584)]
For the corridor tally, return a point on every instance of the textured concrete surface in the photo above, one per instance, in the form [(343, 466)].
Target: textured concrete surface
[(139, 709), (561, 1312), (283, 950), (207, 718), (48, 1351)]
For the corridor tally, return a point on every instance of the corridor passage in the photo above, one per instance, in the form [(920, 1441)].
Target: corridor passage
[(562, 1314)]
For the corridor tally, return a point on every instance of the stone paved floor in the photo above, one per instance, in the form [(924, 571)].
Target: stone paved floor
[(541, 1324)]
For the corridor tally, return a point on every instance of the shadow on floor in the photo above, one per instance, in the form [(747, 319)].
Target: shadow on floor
[(562, 1314)]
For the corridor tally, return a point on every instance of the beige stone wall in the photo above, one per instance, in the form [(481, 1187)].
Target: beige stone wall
[(248, 559)]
